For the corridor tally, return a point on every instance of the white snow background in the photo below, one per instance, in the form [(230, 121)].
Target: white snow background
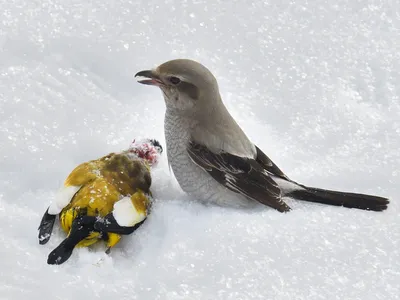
[(315, 84)]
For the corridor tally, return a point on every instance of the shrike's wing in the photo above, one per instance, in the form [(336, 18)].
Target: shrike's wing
[(268, 164), (239, 174)]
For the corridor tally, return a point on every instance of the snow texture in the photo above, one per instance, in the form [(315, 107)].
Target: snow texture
[(315, 84)]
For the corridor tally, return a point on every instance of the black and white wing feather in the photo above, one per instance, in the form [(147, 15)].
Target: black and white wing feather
[(269, 165), (239, 174)]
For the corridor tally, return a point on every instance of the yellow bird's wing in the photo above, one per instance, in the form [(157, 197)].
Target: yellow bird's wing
[(80, 176), (84, 173), (95, 198), (80, 194)]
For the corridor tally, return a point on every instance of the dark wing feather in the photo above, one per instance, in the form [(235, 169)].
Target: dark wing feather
[(239, 174), (269, 165)]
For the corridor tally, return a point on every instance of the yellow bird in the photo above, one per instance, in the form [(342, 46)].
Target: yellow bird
[(102, 199)]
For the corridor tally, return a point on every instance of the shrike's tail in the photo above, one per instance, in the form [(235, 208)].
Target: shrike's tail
[(351, 200)]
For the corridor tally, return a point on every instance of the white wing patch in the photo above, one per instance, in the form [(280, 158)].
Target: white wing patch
[(126, 214), (63, 198)]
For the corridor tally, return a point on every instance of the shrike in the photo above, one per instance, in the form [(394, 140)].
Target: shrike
[(213, 159)]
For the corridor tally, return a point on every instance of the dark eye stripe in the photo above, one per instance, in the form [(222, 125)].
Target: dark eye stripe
[(174, 80)]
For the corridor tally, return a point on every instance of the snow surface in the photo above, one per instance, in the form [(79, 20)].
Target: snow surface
[(315, 84)]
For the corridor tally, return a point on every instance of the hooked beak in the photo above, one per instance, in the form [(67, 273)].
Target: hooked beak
[(150, 78)]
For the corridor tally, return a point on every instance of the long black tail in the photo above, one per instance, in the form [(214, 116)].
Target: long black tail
[(351, 200), (80, 229)]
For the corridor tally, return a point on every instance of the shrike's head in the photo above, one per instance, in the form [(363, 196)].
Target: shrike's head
[(188, 86)]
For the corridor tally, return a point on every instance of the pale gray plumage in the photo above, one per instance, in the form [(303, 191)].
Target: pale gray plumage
[(213, 159)]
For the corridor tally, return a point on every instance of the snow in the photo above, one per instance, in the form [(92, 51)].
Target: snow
[(313, 83)]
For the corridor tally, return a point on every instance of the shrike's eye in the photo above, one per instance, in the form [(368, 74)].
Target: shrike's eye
[(174, 80)]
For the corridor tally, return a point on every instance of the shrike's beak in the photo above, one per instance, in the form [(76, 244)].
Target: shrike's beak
[(151, 78)]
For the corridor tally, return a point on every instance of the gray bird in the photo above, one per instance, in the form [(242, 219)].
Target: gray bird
[(212, 158)]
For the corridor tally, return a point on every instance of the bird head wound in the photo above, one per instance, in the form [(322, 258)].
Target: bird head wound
[(147, 149)]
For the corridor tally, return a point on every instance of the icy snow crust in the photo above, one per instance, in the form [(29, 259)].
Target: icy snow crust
[(314, 84)]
